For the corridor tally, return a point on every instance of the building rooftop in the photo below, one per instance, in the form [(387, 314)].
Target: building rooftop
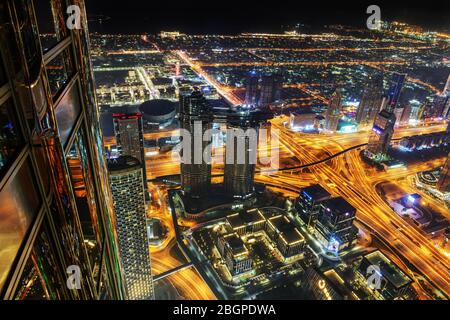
[(241, 219), (160, 81), (270, 212), (157, 107), (235, 244), (315, 192), (123, 163), (390, 271), (287, 230), (339, 206), (303, 111), (106, 117)]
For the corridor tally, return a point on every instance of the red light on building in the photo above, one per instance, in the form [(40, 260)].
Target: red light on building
[(125, 116)]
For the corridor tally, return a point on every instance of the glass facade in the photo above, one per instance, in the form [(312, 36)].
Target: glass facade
[(55, 201), (41, 277), (51, 27), (59, 71), (11, 140), (19, 205)]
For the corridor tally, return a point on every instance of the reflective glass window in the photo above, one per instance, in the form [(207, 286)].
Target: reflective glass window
[(11, 140), (30, 38), (59, 71), (3, 78), (67, 112), (7, 37), (51, 22), (41, 278), (43, 167), (20, 203), (82, 184), (104, 293)]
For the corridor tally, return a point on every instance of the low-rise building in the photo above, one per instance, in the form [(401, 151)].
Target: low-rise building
[(387, 281), (334, 228), (308, 203), (289, 241), (235, 253), (246, 222)]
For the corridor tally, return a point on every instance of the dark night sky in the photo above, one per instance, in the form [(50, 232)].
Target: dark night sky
[(232, 16)]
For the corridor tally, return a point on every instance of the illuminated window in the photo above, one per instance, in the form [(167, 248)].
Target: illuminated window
[(20, 203)]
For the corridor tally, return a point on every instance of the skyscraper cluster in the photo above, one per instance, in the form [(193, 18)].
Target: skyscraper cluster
[(240, 151)]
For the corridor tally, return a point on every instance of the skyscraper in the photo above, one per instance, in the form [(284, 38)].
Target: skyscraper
[(270, 89), (241, 156), (251, 93), (437, 108), (334, 228), (56, 208), (398, 112), (395, 88), (196, 119), (333, 113), (129, 134), (130, 212), (383, 126), (371, 100), (382, 132), (308, 203), (406, 114)]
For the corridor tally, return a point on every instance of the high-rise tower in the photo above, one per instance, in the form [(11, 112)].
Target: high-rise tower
[(371, 100), (382, 132), (383, 126), (130, 212), (251, 93), (270, 89), (196, 119), (395, 88), (128, 129), (241, 157), (333, 113), (56, 208)]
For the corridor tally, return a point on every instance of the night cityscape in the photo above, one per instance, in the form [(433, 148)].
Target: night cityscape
[(154, 153)]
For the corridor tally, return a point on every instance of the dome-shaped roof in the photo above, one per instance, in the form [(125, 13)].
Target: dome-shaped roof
[(157, 107)]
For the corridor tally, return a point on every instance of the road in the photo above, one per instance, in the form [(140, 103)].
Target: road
[(348, 177)]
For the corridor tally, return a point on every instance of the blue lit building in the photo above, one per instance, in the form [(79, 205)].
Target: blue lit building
[(308, 203), (334, 228), (395, 89)]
